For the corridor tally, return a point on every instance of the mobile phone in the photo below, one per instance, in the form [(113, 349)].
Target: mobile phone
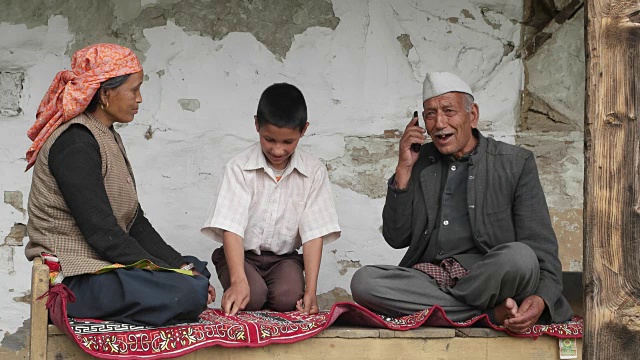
[(416, 146)]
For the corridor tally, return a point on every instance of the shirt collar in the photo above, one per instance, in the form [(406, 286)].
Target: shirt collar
[(470, 154), (257, 160)]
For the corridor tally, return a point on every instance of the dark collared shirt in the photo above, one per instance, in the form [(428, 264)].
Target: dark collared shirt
[(452, 236)]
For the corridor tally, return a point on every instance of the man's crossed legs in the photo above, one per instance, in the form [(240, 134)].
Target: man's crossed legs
[(504, 277)]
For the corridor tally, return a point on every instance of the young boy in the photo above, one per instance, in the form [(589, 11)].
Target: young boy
[(273, 199)]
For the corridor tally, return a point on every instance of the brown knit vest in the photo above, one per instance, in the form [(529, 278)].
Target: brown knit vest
[(51, 226)]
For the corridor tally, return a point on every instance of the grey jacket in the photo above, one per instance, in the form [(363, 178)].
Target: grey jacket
[(506, 204)]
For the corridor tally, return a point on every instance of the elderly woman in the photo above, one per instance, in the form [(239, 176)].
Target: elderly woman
[(84, 215)]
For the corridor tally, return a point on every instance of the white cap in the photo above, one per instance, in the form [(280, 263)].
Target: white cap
[(438, 83)]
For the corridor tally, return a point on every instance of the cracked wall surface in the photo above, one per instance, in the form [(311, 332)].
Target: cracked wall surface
[(360, 65), (552, 118)]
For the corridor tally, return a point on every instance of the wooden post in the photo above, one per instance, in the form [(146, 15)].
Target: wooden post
[(39, 315), (612, 180)]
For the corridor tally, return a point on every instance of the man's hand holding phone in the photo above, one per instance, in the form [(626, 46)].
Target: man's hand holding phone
[(412, 139)]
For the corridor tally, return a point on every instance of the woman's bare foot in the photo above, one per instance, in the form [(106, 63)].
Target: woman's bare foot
[(507, 310)]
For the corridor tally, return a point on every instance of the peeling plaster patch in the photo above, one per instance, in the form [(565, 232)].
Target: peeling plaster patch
[(14, 198), (92, 27), (367, 163), (560, 158), (326, 300), (113, 21), (508, 48), (260, 18), (467, 14), (149, 133), (348, 264), (567, 225), (18, 340), (189, 104), (16, 235), (538, 116), (160, 73), (453, 20), (491, 18), (575, 265), (218, 18), (510, 8), (6, 260), (10, 93), (405, 41), (25, 298)]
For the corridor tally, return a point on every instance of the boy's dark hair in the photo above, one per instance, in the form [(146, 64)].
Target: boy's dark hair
[(282, 105)]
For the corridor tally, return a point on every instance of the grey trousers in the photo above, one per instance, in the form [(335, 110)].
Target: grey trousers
[(507, 271)]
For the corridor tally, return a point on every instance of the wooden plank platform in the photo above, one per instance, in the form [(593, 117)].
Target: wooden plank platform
[(352, 343)]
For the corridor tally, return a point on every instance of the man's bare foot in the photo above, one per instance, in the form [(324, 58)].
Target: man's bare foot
[(507, 310)]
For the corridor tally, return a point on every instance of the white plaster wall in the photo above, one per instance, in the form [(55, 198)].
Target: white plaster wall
[(357, 82), (39, 53)]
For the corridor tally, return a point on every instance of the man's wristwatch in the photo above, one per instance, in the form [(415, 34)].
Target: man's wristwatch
[(189, 266)]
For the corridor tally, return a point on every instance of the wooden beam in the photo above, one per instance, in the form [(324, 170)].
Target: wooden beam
[(39, 314), (612, 180), (319, 348)]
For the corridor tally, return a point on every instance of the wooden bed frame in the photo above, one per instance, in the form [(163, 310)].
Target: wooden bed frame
[(336, 342)]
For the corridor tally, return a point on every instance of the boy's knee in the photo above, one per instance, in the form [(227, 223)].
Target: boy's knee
[(285, 295), (257, 297), (285, 303)]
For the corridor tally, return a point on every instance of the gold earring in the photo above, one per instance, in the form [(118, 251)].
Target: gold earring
[(104, 107)]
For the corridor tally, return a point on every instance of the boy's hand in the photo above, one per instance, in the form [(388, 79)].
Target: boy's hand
[(308, 304), (235, 298)]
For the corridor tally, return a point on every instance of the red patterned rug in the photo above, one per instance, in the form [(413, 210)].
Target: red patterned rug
[(111, 340)]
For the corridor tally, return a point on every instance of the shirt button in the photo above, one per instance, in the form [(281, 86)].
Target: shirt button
[(470, 177), (445, 223), (440, 252), (453, 168), (129, 180), (472, 206), (426, 232)]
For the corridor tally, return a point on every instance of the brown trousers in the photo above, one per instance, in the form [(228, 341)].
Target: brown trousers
[(276, 282)]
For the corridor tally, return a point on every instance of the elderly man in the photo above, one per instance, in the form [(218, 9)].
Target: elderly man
[(473, 214)]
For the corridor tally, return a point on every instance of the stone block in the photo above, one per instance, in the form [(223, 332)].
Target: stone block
[(10, 93)]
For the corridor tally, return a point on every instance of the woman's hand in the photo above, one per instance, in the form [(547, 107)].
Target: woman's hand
[(212, 295)]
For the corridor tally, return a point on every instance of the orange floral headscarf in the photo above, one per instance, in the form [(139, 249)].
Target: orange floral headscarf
[(72, 90)]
